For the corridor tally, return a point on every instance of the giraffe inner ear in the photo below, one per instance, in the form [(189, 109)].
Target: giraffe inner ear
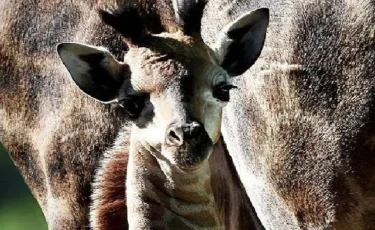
[(94, 70), (240, 43)]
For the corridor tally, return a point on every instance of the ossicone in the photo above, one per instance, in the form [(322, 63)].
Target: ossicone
[(189, 15)]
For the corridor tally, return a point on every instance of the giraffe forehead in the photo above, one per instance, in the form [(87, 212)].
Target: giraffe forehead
[(156, 70)]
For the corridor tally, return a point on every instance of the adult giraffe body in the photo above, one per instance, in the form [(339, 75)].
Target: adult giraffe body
[(301, 128), (172, 87)]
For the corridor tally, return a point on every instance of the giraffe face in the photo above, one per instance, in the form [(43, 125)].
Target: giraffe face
[(172, 85), (175, 100)]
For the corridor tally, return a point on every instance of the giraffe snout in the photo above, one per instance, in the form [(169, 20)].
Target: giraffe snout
[(188, 144), (177, 135)]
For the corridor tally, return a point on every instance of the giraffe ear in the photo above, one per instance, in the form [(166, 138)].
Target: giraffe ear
[(94, 70), (240, 43)]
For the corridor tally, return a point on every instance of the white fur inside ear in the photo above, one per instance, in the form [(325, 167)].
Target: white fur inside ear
[(176, 9), (221, 46), (80, 48)]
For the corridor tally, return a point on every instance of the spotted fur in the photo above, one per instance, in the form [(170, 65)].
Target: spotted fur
[(56, 135), (301, 126)]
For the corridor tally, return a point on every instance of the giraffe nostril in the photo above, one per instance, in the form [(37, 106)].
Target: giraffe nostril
[(190, 132), (175, 136)]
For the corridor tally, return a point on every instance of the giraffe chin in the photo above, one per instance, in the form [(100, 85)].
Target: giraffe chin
[(192, 159), (192, 169), (191, 152)]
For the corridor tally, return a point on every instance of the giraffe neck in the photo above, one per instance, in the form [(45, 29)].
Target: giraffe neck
[(163, 198)]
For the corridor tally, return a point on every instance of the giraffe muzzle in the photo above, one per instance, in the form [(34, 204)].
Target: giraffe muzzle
[(189, 144)]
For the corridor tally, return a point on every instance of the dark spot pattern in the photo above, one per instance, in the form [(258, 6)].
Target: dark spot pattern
[(26, 161), (38, 26), (56, 167)]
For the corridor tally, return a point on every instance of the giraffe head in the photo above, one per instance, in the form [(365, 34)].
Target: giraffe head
[(171, 84)]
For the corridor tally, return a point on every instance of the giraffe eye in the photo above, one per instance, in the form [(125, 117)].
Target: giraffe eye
[(133, 106), (221, 91)]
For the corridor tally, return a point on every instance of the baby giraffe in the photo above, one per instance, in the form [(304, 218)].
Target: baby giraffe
[(173, 88)]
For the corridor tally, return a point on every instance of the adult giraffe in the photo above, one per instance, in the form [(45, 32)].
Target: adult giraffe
[(301, 127), (172, 87), (303, 120)]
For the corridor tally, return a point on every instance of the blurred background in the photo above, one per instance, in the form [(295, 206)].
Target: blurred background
[(18, 208)]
